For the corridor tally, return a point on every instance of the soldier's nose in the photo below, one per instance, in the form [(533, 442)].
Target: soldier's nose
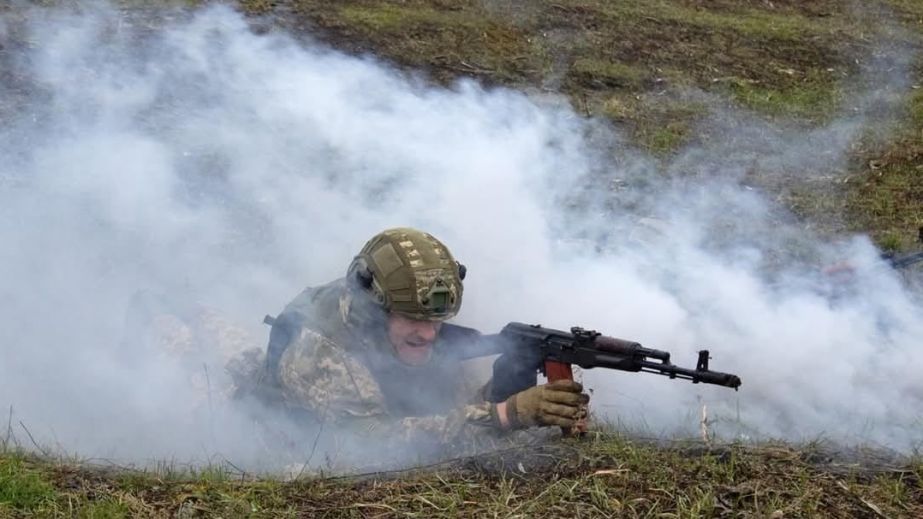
[(426, 330)]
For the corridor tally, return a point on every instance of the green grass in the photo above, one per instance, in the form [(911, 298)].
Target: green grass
[(606, 74), (809, 100), (446, 40), (106, 509), (602, 47), (395, 18), (736, 18), (22, 487), (659, 124), (916, 107), (887, 197), (602, 475), (910, 10)]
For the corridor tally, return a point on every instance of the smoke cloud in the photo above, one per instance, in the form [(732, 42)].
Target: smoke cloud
[(198, 166)]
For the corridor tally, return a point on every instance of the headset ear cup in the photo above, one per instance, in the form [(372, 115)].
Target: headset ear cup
[(462, 271), (363, 274)]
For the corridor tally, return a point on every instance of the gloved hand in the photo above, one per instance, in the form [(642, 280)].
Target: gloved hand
[(558, 403)]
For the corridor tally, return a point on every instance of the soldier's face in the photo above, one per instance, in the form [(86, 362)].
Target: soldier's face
[(412, 339)]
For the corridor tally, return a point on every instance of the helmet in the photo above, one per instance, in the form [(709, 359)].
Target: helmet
[(409, 272)]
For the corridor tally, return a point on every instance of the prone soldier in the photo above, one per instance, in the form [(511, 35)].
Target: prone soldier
[(365, 354)]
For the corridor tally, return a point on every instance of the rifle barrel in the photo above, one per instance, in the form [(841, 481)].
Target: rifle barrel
[(696, 376)]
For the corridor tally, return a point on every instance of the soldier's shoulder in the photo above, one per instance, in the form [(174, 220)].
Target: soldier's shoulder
[(316, 371), (312, 351), (314, 298), (314, 345)]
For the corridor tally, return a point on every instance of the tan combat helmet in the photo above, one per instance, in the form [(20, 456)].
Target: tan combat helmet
[(411, 273)]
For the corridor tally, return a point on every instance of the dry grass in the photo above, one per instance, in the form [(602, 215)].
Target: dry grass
[(603, 475)]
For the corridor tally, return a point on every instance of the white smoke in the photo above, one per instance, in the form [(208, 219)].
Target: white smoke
[(230, 169)]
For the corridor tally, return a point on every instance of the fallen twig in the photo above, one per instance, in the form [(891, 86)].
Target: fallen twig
[(9, 428), (465, 66), (29, 434), (320, 431)]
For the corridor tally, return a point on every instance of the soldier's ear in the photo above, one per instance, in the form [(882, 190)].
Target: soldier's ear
[(462, 271)]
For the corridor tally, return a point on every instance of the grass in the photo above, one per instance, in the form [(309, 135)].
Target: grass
[(811, 98), (606, 74), (442, 38), (888, 192), (740, 19), (396, 18), (22, 486), (599, 46), (602, 475)]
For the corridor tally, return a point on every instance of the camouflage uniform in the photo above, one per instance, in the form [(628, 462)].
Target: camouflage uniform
[(186, 335), (331, 365), (331, 370), (330, 361)]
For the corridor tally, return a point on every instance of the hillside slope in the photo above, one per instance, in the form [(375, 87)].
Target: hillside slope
[(657, 70)]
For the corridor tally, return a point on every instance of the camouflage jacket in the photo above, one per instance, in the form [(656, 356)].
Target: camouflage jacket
[(320, 365)]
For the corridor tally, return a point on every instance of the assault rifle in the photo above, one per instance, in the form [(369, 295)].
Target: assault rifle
[(527, 349)]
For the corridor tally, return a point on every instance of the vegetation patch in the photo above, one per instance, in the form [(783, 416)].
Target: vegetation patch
[(603, 475), (392, 18), (22, 486), (738, 17), (448, 41), (916, 107), (888, 195), (809, 99), (593, 73)]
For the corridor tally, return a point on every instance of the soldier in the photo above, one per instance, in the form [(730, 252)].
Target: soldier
[(364, 354)]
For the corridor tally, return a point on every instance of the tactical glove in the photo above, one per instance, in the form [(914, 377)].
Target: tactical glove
[(558, 403)]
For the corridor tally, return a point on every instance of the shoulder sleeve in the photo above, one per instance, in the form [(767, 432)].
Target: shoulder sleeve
[(319, 376)]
